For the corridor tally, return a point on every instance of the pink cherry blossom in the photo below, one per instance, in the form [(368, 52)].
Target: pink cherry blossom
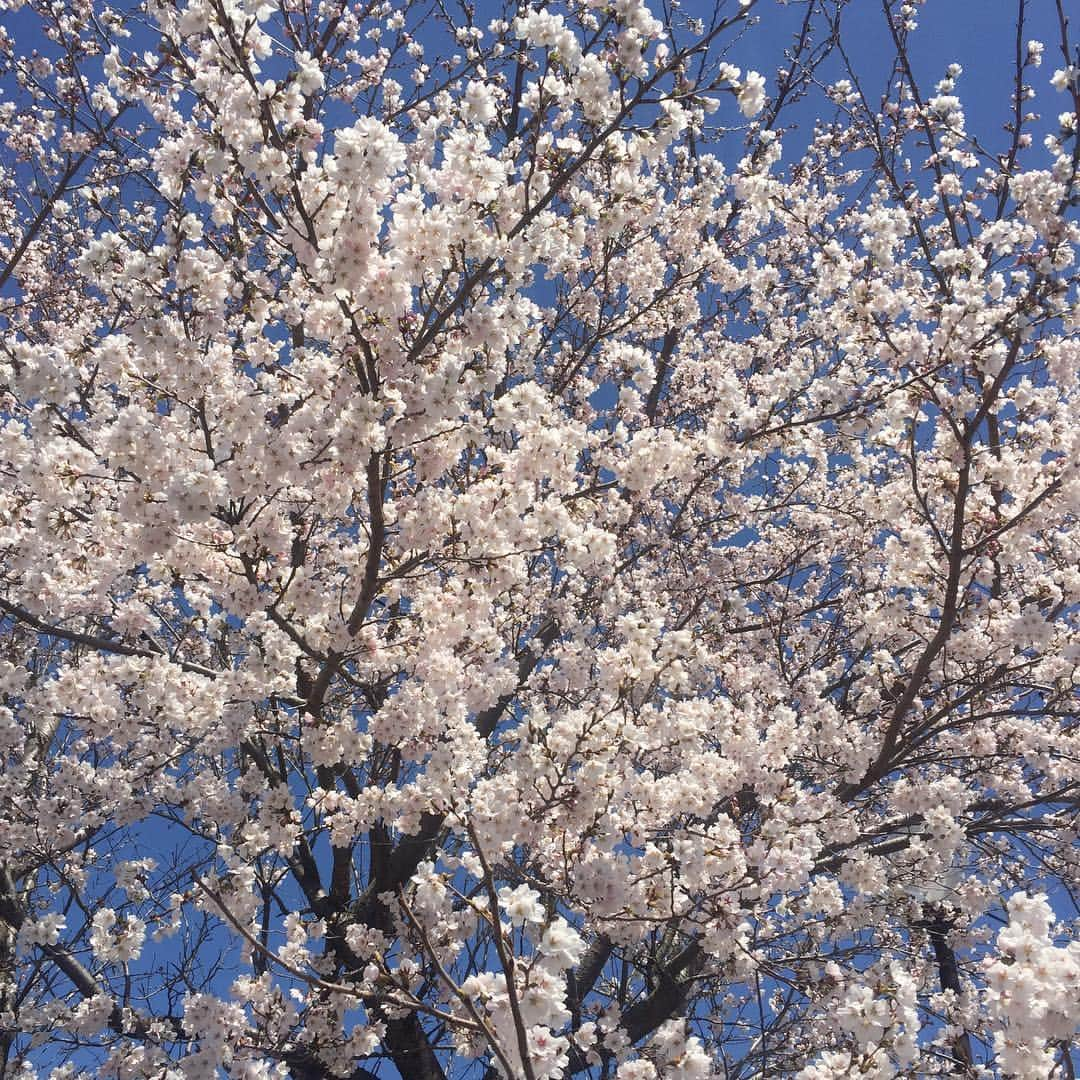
[(532, 550)]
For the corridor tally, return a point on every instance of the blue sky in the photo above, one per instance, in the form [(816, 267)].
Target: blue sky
[(978, 34)]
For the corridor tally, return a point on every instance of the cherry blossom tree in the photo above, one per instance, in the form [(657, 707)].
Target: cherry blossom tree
[(517, 562)]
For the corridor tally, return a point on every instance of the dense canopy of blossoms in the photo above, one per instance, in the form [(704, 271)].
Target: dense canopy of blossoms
[(515, 563)]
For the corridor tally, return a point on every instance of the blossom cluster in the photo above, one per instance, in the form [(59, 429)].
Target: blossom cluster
[(514, 565)]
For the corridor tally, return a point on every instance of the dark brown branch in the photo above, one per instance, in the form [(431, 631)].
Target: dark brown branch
[(662, 367), (667, 998)]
